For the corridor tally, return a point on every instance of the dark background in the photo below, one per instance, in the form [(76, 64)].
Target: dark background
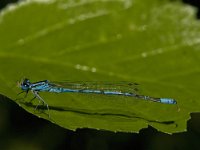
[(21, 130)]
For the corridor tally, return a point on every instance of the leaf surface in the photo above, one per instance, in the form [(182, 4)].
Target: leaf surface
[(155, 44)]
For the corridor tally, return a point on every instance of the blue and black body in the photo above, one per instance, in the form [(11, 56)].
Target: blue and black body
[(105, 88)]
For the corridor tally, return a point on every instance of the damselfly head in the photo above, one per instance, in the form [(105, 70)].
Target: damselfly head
[(25, 84)]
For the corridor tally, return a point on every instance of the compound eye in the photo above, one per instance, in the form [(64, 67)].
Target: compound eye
[(24, 84)]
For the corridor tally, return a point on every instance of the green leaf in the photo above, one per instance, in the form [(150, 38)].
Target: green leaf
[(154, 43)]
